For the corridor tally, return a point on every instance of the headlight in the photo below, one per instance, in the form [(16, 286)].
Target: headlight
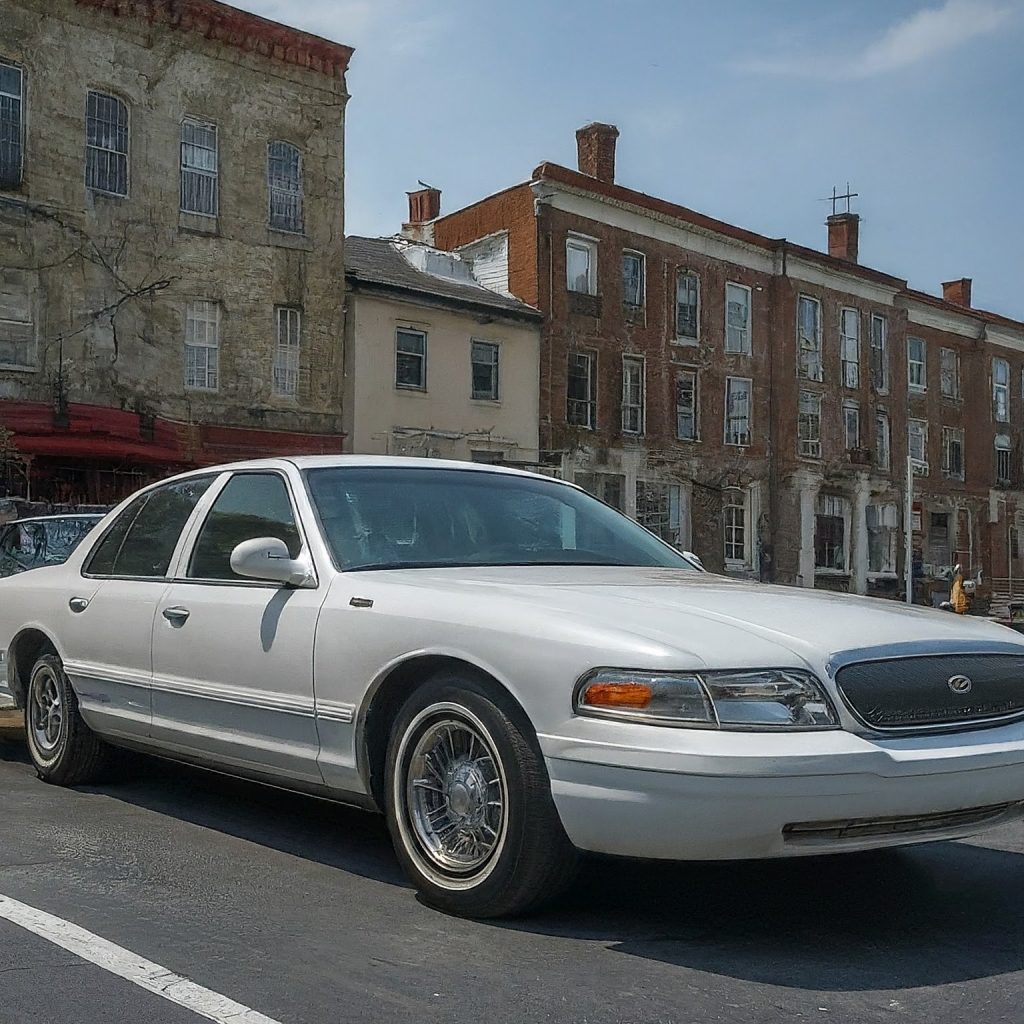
[(759, 699)]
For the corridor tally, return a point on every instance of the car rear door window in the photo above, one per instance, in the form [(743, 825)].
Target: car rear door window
[(251, 505), (142, 539)]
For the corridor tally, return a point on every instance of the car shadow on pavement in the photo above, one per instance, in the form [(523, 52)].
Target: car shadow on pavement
[(887, 920)]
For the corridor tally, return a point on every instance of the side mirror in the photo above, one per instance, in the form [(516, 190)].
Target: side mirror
[(268, 559), (696, 561)]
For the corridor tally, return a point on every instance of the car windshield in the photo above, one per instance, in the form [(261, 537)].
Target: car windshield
[(400, 518), (34, 543)]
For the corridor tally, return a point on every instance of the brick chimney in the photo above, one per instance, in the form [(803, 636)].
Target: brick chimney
[(424, 209), (958, 291), (595, 148), (844, 236)]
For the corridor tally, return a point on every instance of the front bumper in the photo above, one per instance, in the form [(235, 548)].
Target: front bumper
[(710, 795)]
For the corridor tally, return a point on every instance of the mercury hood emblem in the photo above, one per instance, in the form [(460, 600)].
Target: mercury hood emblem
[(960, 684)]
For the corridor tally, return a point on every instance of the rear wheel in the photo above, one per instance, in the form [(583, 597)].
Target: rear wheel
[(62, 747), (469, 803)]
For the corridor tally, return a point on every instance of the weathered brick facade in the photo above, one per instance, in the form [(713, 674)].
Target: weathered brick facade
[(99, 291)]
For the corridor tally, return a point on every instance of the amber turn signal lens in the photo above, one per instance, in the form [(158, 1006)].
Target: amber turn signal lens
[(617, 695)]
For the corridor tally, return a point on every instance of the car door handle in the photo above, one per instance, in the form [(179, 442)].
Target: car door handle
[(176, 616), (78, 604)]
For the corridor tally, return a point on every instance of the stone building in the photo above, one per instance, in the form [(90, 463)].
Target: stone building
[(754, 399), (171, 241), (437, 364)]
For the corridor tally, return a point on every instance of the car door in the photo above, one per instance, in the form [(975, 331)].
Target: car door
[(233, 657), (106, 625)]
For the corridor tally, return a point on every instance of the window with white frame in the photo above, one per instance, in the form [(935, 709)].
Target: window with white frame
[(849, 346), (879, 353), (738, 410), (809, 424), (737, 318), (410, 358), (687, 402), (953, 453), (632, 395), (484, 371), (949, 373), (12, 124), (917, 445), (199, 167), (917, 369), (851, 424), (285, 187), (581, 390), (285, 383), (633, 279), (883, 526), (883, 445), (659, 509), (1004, 458), (735, 509), (581, 265), (202, 345), (831, 534), (1001, 390), (106, 144), (687, 307), (808, 337)]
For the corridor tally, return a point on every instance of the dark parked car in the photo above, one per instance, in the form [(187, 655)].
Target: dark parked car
[(45, 540)]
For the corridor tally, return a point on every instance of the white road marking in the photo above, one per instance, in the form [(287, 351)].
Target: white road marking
[(128, 965)]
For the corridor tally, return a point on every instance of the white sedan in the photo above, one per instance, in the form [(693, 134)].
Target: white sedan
[(511, 671)]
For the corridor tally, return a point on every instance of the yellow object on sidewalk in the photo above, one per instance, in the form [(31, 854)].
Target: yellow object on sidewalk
[(958, 596)]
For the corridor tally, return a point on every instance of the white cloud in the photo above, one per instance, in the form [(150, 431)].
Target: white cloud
[(926, 34)]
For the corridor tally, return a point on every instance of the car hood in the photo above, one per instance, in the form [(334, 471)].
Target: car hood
[(712, 619)]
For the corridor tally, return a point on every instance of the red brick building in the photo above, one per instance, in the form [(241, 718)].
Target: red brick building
[(750, 398)]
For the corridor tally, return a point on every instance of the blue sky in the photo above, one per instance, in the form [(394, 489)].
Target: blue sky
[(748, 110)]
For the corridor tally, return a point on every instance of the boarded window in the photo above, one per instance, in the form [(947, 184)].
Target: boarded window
[(284, 182), (106, 144), (949, 373), (199, 167)]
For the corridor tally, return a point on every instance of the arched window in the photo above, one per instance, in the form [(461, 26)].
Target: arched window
[(284, 180), (106, 144)]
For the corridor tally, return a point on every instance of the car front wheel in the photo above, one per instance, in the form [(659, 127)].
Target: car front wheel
[(62, 747), (469, 803)]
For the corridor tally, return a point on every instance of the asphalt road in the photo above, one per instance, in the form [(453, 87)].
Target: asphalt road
[(297, 909)]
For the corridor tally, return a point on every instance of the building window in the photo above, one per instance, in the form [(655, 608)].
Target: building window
[(851, 424), (106, 144), (410, 359), (484, 357), (285, 383), (580, 403), (882, 522), (687, 401), (17, 319), (658, 508), (633, 279), (632, 395), (953, 453), (917, 443), (882, 440), (202, 345), (687, 307), (737, 319), (880, 353), (809, 338), (849, 345), (949, 373), (609, 487), (830, 534), (734, 526), (12, 119), (581, 265), (809, 424), (939, 553), (284, 184), (199, 167), (1003, 460), (737, 410), (1001, 390), (917, 370)]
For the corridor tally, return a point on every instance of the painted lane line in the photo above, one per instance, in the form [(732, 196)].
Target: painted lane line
[(130, 966)]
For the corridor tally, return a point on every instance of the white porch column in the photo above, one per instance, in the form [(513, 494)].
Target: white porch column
[(809, 486), (859, 532)]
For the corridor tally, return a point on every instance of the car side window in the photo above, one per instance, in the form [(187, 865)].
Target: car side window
[(251, 505), (142, 539)]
